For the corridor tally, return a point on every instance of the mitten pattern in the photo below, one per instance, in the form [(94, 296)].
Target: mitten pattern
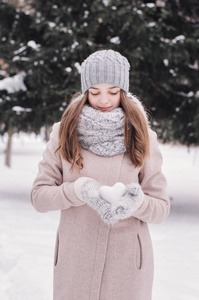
[(91, 195), (128, 203)]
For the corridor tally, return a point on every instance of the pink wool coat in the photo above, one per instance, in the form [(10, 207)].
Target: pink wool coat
[(94, 260)]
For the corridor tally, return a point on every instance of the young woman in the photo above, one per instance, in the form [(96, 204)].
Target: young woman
[(102, 170)]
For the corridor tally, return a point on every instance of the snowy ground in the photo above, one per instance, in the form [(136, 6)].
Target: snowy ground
[(27, 237)]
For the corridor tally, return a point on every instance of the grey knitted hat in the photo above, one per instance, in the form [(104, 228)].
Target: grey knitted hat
[(105, 66)]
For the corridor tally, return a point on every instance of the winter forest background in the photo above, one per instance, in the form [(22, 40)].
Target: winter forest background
[(42, 44)]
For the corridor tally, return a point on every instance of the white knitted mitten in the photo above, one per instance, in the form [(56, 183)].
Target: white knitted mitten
[(128, 203), (90, 194), (78, 184)]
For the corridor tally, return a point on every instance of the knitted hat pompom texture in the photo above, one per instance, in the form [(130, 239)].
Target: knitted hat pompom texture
[(105, 66)]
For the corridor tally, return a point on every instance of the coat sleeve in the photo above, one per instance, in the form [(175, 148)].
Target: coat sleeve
[(156, 205), (49, 192)]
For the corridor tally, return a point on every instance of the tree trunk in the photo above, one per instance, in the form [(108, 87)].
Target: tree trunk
[(9, 146), (48, 130)]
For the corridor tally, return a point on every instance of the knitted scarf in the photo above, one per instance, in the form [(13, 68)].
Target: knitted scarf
[(101, 132)]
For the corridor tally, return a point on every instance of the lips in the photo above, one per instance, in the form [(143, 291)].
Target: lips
[(104, 108)]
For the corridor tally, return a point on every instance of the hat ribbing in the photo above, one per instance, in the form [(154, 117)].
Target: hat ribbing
[(105, 66)]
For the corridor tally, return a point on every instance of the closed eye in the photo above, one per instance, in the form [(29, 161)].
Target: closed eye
[(114, 93)]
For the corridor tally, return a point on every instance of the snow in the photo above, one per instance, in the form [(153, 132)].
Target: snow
[(20, 50), (179, 38), (74, 45), (68, 69), (160, 3), (194, 66), (165, 40), (89, 43), (78, 67), (15, 58), (166, 62), (51, 24), (149, 5), (13, 84), (33, 45), (86, 13), (106, 2), (27, 237), (115, 40), (173, 72), (189, 94), (20, 109), (151, 24)]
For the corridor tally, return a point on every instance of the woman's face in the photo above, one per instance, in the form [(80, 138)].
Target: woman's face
[(104, 97)]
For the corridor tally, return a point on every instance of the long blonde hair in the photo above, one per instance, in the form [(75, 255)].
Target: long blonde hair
[(136, 137)]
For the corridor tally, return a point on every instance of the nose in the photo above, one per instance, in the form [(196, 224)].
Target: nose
[(104, 99)]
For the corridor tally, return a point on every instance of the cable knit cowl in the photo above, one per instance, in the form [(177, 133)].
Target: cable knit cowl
[(101, 132)]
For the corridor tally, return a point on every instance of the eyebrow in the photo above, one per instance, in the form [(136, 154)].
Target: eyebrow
[(112, 87)]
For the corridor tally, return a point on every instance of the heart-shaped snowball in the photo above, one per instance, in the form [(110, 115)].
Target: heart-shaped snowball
[(112, 193)]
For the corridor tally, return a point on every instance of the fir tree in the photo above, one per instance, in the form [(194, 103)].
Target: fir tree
[(161, 41), (49, 42)]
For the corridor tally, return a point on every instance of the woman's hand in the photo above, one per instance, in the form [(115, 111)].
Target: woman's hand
[(87, 190), (111, 203), (130, 201)]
